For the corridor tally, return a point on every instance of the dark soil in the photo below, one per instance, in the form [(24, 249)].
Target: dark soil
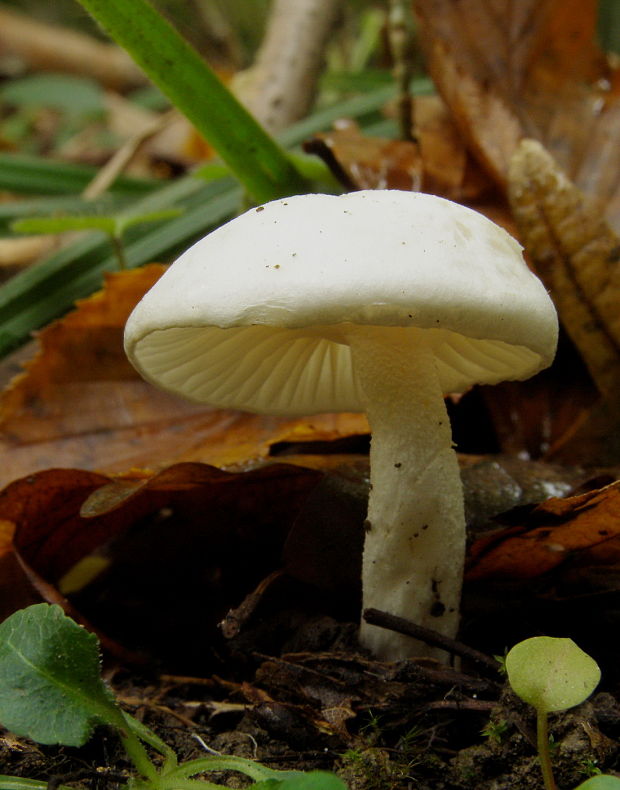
[(321, 703)]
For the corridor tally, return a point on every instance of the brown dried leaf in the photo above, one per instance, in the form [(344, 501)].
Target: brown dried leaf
[(576, 254), (176, 548), (438, 162), (514, 68), (448, 169), (556, 530), (322, 699), (79, 403), (361, 162)]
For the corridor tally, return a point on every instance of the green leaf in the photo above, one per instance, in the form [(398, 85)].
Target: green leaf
[(112, 224), (56, 206), (253, 156), (550, 673), (125, 221), (265, 778), (50, 686), (38, 294), (63, 224), (19, 783), (48, 288), (600, 782), (37, 175), (313, 780), (69, 94)]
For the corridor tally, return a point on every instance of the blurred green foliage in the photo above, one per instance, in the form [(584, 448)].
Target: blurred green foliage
[(609, 25)]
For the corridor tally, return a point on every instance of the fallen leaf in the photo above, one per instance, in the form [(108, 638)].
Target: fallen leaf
[(554, 531), (576, 254), (80, 403), (509, 69), (7, 530), (534, 418), (448, 168), (177, 548), (438, 162), (42, 509), (324, 701), (362, 162)]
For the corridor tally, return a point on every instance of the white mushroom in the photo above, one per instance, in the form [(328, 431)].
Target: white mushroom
[(376, 301)]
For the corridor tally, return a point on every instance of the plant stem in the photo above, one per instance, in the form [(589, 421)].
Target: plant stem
[(119, 251), (542, 738), (138, 756), (143, 733), (254, 157)]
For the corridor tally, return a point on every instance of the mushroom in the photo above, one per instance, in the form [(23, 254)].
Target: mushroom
[(378, 301)]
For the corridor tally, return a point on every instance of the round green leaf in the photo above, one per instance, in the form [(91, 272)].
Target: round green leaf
[(600, 782), (50, 684), (550, 673), (313, 780)]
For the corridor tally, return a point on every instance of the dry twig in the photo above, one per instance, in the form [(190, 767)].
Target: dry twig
[(53, 48), (280, 86)]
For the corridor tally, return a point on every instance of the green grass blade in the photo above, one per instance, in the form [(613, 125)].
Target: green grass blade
[(20, 783), (112, 224), (41, 293), (33, 225), (49, 288), (34, 175), (252, 155), (55, 206), (363, 109)]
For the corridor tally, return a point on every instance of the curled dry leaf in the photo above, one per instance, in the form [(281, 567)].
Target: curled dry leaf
[(437, 162), (319, 696), (553, 533), (577, 254), (448, 168), (79, 403), (361, 162), (514, 68)]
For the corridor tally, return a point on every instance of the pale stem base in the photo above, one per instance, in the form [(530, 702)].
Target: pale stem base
[(415, 542)]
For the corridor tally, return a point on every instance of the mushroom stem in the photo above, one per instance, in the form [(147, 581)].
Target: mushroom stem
[(415, 542)]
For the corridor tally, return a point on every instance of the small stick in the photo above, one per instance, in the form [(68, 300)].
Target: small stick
[(281, 85), (400, 41), (401, 626), (475, 705)]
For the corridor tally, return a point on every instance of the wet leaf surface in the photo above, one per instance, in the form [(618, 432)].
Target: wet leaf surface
[(554, 531)]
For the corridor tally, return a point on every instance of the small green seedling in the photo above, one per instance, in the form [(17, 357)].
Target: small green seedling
[(51, 691), (600, 782), (554, 674), (113, 225)]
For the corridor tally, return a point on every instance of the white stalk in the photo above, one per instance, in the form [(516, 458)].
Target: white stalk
[(415, 542)]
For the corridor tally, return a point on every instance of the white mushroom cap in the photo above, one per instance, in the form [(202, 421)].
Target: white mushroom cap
[(254, 315)]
